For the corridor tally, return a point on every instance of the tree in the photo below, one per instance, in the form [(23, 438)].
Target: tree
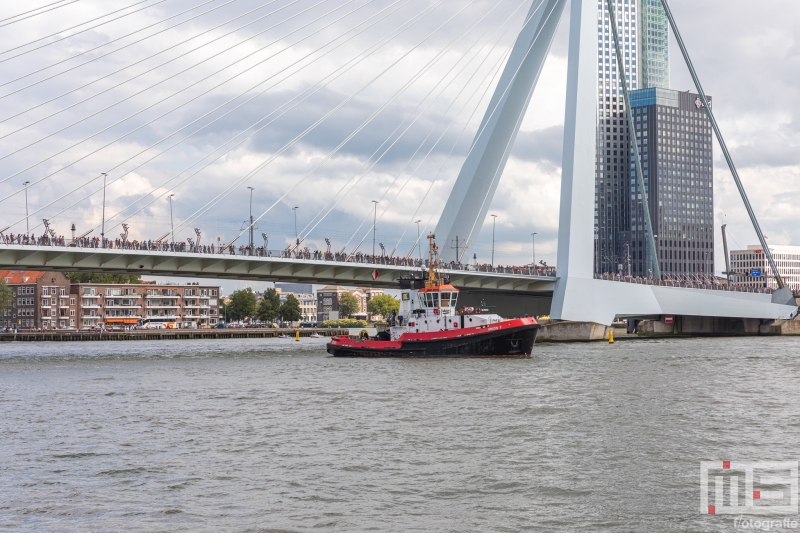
[(265, 311), (88, 277), (290, 310), (5, 296), (274, 299), (348, 304), (270, 306), (382, 305), (242, 305)]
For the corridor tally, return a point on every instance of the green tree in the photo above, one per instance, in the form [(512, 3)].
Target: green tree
[(274, 299), (265, 311), (383, 304), (88, 277), (242, 305), (5, 296), (348, 304), (290, 309)]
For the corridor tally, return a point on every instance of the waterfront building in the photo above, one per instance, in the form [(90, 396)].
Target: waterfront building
[(307, 301), (40, 300), (308, 307), (642, 28), (121, 305), (328, 302), (675, 144), (750, 268), (295, 288)]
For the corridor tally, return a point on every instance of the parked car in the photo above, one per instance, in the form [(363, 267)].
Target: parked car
[(221, 325)]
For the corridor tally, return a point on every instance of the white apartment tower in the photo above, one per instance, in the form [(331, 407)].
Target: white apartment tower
[(643, 33)]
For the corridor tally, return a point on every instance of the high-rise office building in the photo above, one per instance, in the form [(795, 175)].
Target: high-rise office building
[(654, 45), (612, 210), (675, 145), (644, 40)]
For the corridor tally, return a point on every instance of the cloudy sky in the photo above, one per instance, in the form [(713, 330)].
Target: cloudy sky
[(326, 105)]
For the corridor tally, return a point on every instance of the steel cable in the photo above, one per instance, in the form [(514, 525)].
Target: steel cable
[(106, 44), (327, 210), (168, 112), (138, 62), (36, 14), (386, 39), (129, 97), (358, 129)]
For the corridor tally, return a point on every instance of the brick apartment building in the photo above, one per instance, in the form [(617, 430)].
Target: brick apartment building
[(108, 304), (48, 300), (39, 300)]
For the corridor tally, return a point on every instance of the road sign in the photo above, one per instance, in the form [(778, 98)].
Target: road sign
[(756, 272)]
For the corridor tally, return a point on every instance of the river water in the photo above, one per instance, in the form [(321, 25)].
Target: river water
[(272, 435)]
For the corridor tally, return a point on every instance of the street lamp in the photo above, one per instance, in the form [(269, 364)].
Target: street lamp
[(418, 237), (251, 219), (296, 237), (494, 225), (103, 226), (374, 222), (27, 225), (534, 248), (171, 224)]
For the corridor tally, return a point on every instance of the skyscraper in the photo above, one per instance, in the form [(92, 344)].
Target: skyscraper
[(675, 144), (654, 45), (642, 27)]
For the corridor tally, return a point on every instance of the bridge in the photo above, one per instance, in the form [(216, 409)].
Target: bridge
[(573, 293)]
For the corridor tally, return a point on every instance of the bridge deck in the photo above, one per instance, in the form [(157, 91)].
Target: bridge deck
[(253, 268)]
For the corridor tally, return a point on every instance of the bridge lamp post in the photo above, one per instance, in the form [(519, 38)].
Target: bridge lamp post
[(533, 235), (296, 236), (494, 225), (103, 223), (374, 223), (27, 224), (251, 219), (171, 223), (418, 237)]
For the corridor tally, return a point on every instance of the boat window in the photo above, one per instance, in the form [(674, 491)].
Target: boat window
[(453, 298), (435, 299), (445, 299), (422, 299)]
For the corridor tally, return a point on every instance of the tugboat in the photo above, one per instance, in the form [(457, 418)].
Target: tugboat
[(429, 324)]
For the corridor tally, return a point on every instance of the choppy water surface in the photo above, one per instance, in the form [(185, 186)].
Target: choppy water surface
[(274, 435)]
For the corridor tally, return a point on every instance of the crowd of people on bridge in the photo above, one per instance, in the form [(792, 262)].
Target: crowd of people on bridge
[(695, 281), (290, 252)]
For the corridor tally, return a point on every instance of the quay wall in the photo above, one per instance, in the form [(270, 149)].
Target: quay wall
[(165, 334)]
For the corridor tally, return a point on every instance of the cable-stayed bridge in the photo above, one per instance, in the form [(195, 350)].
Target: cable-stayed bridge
[(301, 67)]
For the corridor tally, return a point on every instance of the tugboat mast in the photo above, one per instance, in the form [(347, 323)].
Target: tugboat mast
[(433, 280)]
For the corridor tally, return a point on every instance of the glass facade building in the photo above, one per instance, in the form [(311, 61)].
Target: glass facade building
[(612, 209), (675, 144), (654, 45)]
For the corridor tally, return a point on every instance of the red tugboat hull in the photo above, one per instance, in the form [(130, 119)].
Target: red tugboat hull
[(509, 338)]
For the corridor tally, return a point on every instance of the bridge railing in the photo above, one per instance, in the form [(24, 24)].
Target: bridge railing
[(246, 251), (687, 282)]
